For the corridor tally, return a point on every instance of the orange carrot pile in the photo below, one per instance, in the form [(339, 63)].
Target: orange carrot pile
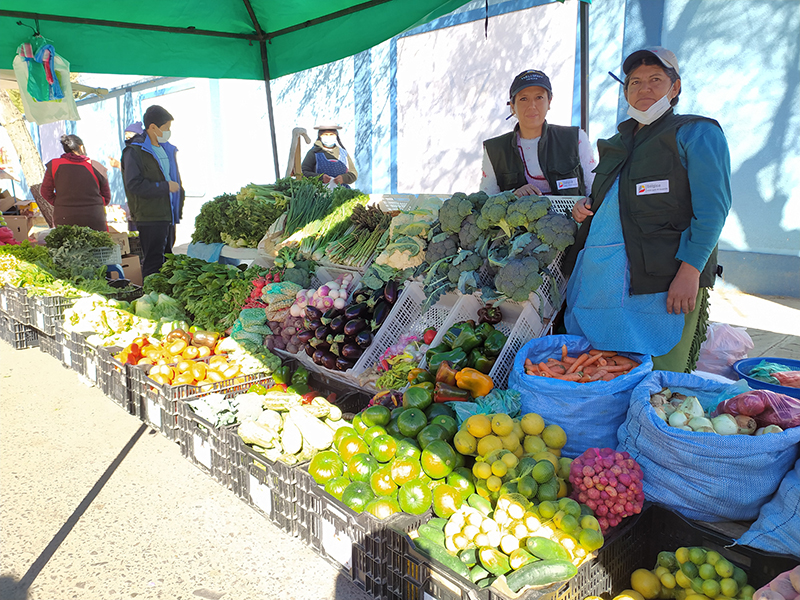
[(595, 365)]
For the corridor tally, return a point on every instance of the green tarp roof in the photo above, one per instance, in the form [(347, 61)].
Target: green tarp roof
[(150, 37)]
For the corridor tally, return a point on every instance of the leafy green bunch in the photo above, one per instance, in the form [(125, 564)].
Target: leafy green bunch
[(78, 236)]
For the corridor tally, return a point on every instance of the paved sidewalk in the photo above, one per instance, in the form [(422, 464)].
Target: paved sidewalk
[(157, 528)]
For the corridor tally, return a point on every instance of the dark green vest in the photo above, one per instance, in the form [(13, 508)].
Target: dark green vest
[(558, 158), (655, 202)]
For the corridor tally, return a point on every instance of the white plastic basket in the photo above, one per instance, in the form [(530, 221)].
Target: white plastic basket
[(325, 274), (109, 256), (528, 326)]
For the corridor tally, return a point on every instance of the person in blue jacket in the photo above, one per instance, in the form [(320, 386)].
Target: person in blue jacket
[(153, 187), (646, 252)]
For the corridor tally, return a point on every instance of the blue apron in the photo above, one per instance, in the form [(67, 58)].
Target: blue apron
[(599, 303), (332, 166)]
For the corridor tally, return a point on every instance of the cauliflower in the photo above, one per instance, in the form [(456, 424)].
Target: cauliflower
[(470, 232), (406, 252), (518, 279), (494, 212), (465, 261), (453, 212), (525, 211), (556, 230), (441, 246)]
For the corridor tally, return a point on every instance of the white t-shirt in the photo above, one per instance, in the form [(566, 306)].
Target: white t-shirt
[(528, 150)]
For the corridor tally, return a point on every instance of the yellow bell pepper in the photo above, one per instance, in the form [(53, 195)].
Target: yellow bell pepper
[(474, 381)]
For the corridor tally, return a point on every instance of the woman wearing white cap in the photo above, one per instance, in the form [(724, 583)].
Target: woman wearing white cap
[(646, 252), (329, 159), (536, 157)]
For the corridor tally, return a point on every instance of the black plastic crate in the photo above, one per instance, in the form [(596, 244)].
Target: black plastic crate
[(47, 312), (204, 445), (4, 299), (17, 334), (126, 296), (92, 367), (18, 305), (349, 398), (114, 379), (136, 246), (75, 344), (49, 345)]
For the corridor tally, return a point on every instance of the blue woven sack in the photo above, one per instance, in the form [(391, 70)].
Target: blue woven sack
[(703, 476), (589, 413), (777, 529)]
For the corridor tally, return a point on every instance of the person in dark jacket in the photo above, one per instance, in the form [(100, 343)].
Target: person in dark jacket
[(77, 190), (153, 187), (329, 159)]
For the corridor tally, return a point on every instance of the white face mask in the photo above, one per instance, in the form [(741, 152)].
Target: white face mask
[(164, 136), (329, 141), (652, 114)]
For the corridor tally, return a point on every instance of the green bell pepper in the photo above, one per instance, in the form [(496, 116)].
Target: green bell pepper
[(450, 337), (301, 389), (456, 357), (484, 330), (468, 338), (283, 374), (420, 376), (493, 345), (300, 376), (436, 350), (479, 361)]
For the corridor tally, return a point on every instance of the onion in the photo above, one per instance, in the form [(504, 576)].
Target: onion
[(301, 294), (725, 425), (295, 310), (678, 419), (301, 302), (323, 291), (701, 425), (327, 302), (339, 303), (692, 407), (333, 285), (661, 414)]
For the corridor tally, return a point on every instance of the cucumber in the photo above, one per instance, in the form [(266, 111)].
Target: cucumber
[(546, 549), (469, 556), (439, 554), (437, 522), (477, 573), (480, 503), (486, 582), (519, 558), (432, 533), (542, 572), (494, 561)]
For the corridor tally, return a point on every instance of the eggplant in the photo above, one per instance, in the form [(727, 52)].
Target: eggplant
[(390, 292), (342, 364), (313, 324), (310, 349), (320, 345), (305, 335), (329, 315), (382, 310), (328, 360), (376, 297), (318, 354), (364, 338), (354, 326), (322, 332), (360, 297), (312, 312), (337, 325), (355, 311), (352, 351)]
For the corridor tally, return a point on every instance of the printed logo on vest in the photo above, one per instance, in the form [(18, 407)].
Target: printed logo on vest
[(565, 184), (652, 187)]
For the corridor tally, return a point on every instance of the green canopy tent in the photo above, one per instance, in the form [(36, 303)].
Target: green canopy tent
[(219, 39)]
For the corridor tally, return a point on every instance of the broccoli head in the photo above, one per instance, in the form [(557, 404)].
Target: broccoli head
[(465, 261), (441, 246), (543, 253), (470, 232), (556, 230), (494, 212), (478, 199), (453, 212), (527, 210), (518, 279)]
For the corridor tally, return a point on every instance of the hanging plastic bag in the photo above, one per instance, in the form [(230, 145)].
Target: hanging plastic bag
[(724, 345), (703, 476), (51, 111), (589, 413)]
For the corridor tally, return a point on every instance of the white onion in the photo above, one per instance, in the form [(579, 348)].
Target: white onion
[(339, 303), (300, 294), (678, 419), (295, 310)]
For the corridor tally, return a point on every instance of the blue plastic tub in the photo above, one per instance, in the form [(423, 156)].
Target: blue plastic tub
[(743, 367)]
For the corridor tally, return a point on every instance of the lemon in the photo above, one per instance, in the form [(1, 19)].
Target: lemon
[(499, 468), (660, 571), (646, 583), (697, 555), (488, 444), (667, 579), (465, 443), (548, 457), (707, 571), (532, 424), (712, 557), (724, 568), (564, 465), (590, 539), (494, 483), (629, 595), (533, 444), (563, 490), (555, 452), (479, 426), (519, 452), (547, 509), (682, 579), (554, 436), (502, 425), (590, 522), (682, 555), (482, 470), (711, 588), (510, 441), (511, 460), (518, 430)]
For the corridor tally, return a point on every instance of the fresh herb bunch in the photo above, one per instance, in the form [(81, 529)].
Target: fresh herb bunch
[(85, 237), (212, 220)]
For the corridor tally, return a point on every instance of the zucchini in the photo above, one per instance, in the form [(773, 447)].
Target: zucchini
[(543, 572), (433, 534), (469, 556), (520, 557), (438, 522), (440, 555), (477, 573), (318, 435), (480, 503), (484, 583), (546, 549), (494, 561)]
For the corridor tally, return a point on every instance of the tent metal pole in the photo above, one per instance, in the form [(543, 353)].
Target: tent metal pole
[(270, 111), (584, 37)]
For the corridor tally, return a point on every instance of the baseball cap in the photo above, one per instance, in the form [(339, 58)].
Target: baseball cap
[(527, 79), (666, 57)]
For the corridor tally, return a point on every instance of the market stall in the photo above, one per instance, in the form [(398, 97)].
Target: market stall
[(384, 383)]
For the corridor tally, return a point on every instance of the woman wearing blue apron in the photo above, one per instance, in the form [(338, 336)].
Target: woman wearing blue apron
[(329, 159), (646, 253)]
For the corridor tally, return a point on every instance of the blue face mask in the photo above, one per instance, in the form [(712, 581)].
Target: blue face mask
[(163, 137), (329, 141)]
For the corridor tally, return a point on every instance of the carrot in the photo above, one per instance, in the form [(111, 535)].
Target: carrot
[(529, 363), (594, 352), (545, 369), (569, 377), (617, 369), (602, 362), (581, 359), (609, 376), (585, 379), (563, 352), (569, 360), (599, 375), (592, 359)]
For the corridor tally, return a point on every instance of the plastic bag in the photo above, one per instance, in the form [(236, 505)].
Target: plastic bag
[(703, 476), (496, 401), (589, 413), (766, 407), (53, 110), (777, 528), (724, 345)]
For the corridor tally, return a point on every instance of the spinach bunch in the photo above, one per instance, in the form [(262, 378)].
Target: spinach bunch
[(78, 237)]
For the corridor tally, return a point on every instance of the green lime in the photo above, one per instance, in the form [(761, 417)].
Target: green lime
[(547, 509), (548, 491), (691, 571), (357, 495), (376, 415), (543, 472), (724, 568), (361, 467), (706, 571), (383, 448), (711, 588)]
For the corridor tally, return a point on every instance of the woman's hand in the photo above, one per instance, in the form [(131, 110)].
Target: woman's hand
[(581, 210), (326, 178), (683, 290), (338, 180), (527, 190)]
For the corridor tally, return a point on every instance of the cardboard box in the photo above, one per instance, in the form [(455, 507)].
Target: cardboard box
[(121, 240), (132, 267), (20, 226), (7, 201)]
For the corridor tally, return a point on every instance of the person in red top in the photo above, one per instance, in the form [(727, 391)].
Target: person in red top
[(75, 188)]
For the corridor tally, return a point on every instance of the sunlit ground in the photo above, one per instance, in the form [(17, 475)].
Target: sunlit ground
[(778, 314)]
